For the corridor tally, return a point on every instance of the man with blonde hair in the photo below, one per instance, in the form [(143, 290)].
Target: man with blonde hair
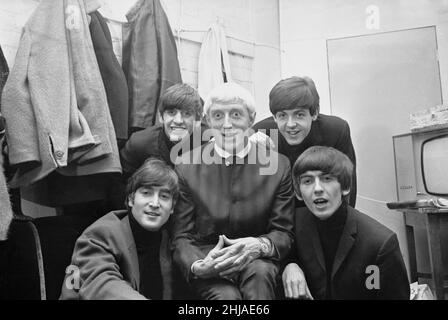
[(232, 224)]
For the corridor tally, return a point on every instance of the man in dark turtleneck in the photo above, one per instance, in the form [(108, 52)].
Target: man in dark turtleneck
[(119, 256), (344, 253)]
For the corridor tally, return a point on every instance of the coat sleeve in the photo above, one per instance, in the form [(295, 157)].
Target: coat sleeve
[(21, 133), (185, 251), (131, 156), (100, 277), (280, 227), (394, 283)]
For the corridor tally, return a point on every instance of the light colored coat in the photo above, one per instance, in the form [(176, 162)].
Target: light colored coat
[(54, 100)]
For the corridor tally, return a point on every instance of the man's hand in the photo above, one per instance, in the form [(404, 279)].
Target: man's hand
[(232, 261), (294, 283), (207, 268), (262, 139)]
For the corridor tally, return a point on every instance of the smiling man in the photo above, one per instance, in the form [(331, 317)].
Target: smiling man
[(294, 104), (344, 253), (232, 225), (180, 114), (119, 256)]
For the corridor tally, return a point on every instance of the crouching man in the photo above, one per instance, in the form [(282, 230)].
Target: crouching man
[(120, 255), (344, 253)]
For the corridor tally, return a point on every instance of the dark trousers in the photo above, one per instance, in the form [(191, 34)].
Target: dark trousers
[(255, 282)]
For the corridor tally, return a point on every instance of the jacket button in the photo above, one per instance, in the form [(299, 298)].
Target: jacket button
[(59, 154)]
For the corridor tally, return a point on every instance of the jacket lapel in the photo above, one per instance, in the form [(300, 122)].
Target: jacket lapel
[(346, 242), (134, 272)]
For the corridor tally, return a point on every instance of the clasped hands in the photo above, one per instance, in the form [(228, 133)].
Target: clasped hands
[(227, 258)]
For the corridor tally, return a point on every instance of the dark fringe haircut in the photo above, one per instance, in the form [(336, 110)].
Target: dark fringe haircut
[(183, 97), (292, 93), (153, 172), (325, 159)]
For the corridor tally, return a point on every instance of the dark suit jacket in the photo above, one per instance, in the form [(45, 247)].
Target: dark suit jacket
[(107, 259), (363, 242), (152, 142), (327, 131), (234, 200)]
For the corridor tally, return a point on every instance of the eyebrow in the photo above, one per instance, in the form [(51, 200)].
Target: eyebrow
[(152, 186)]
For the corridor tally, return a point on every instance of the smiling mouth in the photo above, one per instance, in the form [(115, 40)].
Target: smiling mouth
[(293, 133), (152, 214), (178, 128)]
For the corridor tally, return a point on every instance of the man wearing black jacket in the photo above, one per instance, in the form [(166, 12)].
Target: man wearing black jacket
[(180, 116), (344, 254), (294, 104)]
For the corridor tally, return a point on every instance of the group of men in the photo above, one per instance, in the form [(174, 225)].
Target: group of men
[(260, 211)]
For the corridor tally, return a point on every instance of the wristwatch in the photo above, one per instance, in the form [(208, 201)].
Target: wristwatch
[(266, 246)]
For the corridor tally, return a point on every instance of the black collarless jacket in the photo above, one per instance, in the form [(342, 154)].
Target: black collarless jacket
[(364, 242)]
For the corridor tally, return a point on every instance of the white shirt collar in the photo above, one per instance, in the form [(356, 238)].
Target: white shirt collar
[(224, 154)]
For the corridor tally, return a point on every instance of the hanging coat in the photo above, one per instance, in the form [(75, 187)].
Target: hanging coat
[(54, 100), (214, 66), (4, 71), (111, 73), (149, 60)]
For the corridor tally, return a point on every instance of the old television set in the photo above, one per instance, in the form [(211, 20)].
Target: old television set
[(421, 164), (421, 168)]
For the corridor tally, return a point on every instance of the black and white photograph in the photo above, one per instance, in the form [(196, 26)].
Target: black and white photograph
[(266, 153)]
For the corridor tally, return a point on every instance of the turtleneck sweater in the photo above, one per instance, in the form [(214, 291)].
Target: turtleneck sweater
[(330, 231), (148, 249)]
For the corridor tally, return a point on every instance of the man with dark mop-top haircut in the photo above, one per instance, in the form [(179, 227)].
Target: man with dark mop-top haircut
[(294, 103), (344, 254), (120, 255)]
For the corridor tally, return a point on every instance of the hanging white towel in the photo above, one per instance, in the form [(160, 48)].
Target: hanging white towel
[(213, 61)]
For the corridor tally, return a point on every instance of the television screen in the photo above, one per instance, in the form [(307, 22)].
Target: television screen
[(435, 165)]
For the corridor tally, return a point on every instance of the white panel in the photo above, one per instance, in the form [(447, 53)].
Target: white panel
[(376, 81)]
